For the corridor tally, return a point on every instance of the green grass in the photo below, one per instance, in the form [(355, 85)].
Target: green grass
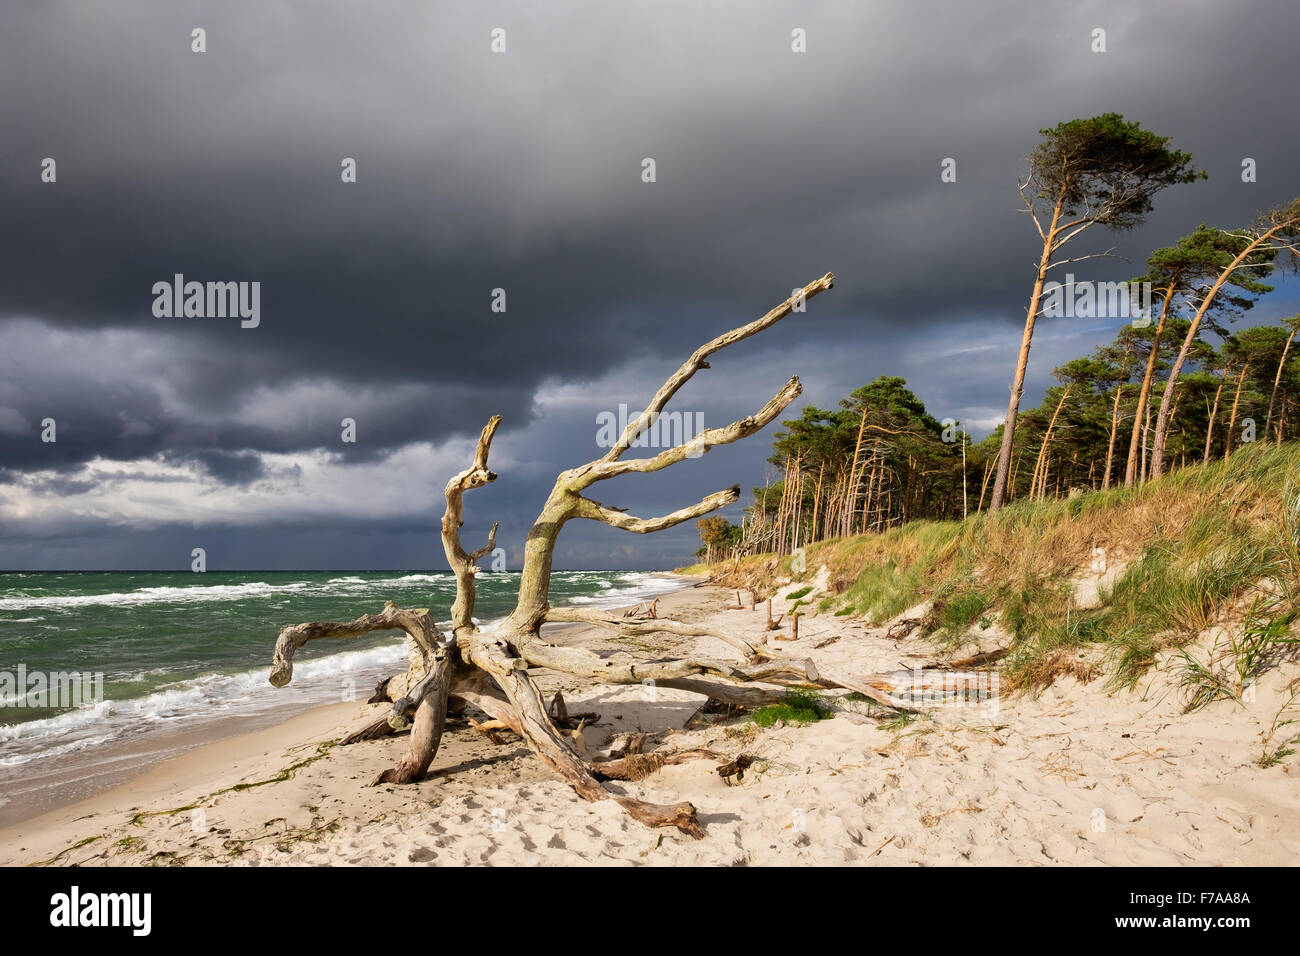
[(897, 722), (1192, 546), (1236, 662), (955, 613), (1274, 751), (799, 707)]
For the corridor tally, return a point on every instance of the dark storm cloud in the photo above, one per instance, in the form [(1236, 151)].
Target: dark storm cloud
[(231, 469), (522, 171)]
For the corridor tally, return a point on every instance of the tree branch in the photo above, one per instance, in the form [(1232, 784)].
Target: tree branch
[(597, 512), (493, 656), (418, 624), (697, 361), (696, 447), (462, 563), (633, 627)]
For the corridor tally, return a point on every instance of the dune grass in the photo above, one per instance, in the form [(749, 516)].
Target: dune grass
[(799, 707), (1178, 554)]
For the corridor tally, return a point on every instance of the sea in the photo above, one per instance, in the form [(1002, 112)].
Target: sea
[(168, 660)]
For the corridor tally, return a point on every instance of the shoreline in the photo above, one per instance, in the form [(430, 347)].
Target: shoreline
[(247, 760), (63, 780), (1074, 776)]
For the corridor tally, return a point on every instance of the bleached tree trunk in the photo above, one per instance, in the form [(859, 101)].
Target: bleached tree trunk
[(855, 479), (1039, 481), (1110, 444), (1146, 432), (490, 670), (817, 501), (984, 485)]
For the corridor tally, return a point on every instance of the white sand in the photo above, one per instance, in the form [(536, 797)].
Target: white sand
[(1077, 776)]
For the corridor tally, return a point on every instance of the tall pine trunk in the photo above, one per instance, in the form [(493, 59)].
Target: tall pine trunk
[(1022, 360), (1232, 418), (1277, 381), (1144, 396), (1214, 413)]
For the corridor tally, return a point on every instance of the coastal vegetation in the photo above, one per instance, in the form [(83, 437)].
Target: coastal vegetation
[(1093, 585)]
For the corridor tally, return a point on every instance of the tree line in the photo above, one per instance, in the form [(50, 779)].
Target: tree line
[(1176, 386)]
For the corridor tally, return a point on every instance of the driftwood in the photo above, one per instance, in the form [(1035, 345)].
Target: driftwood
[(490, 728), (772, 624), (380, 728), (490, 670), (736, 769), (982, 659), (902, 628)]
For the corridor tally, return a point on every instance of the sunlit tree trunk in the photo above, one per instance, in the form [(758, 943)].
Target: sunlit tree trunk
[(1000, 492), (1162, 419), (1214, 413), (1148, 377), (1277, 381), (1232, 417), (1110, 444)]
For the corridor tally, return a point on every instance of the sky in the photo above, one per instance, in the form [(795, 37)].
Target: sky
[(523, 170)]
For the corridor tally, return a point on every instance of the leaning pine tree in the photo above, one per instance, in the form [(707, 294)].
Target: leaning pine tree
[(1168, 271), (490, 670), (1087, 172), (1233, 259)]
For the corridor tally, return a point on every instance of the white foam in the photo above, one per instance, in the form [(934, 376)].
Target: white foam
[(212, 592), (209, 696)]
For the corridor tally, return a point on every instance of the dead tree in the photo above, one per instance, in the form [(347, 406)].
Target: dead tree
[(490, 670)]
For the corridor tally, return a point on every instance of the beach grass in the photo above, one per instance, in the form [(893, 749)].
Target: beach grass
[(1167, 560)]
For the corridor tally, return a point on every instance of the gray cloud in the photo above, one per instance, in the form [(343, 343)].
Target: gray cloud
[(522, 171)]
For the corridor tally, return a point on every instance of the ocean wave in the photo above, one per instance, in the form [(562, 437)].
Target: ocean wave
[(186, 595), (203, 593), (632, 587), (212, 696), (315, 681)]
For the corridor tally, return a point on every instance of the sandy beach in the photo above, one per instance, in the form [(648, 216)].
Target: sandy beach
[(1076, 776)]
